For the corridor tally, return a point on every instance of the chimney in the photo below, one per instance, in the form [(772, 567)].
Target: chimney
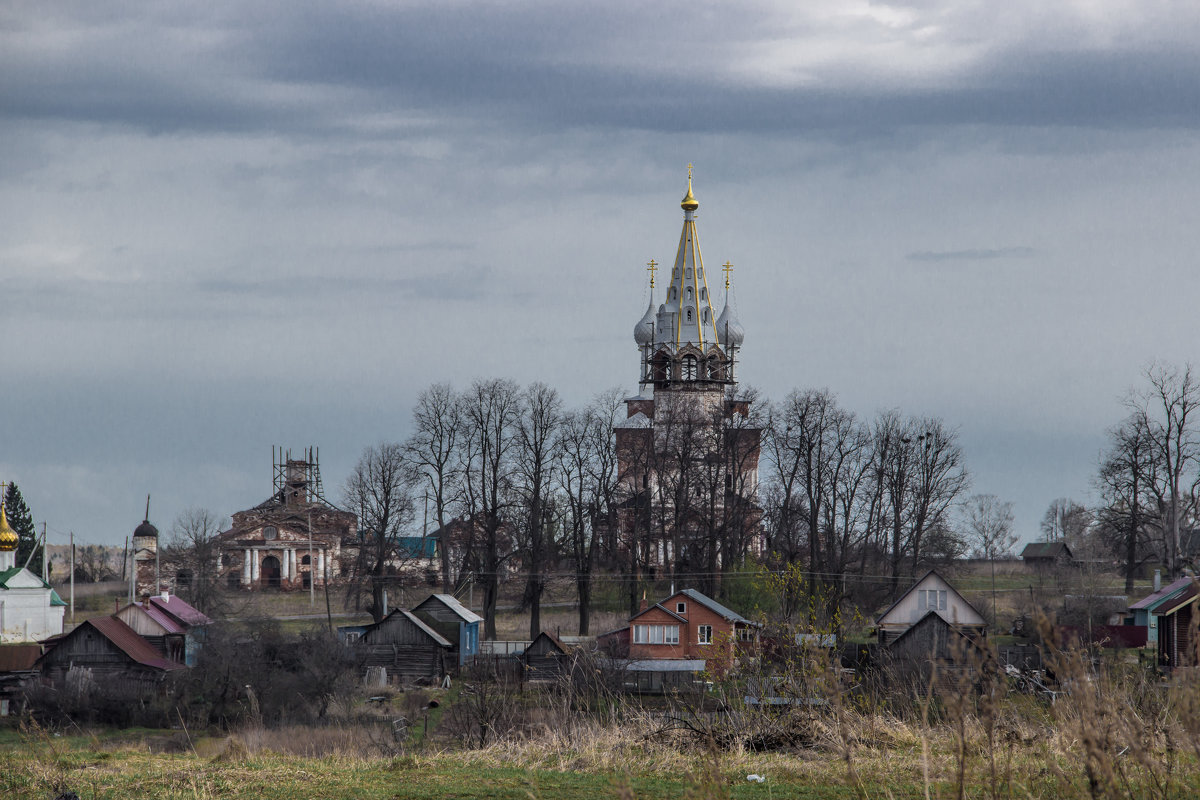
[(1157, 579), (166, 595), (643, 606)]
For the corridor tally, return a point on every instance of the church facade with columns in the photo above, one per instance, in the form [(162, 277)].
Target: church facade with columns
[(688, 448), (291, 540)]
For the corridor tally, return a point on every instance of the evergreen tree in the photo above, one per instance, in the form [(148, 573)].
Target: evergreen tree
[(21, 520)]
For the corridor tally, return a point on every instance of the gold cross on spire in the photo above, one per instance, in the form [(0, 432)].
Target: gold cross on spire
[(728, 267), (652, 267), (689, 170)]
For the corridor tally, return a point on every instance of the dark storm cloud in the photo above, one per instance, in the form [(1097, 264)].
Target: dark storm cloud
[(974, 254), (318, 70)]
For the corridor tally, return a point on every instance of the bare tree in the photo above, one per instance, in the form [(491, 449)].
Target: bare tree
[(1127, 470), (1170, 405), (537, 426), (1066, 521), (432, 449), (490, 410), (989, 523), (585, 453), (379, 490), (194, 554)]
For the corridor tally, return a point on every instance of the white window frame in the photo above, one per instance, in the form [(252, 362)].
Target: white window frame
[(681, 607), (655, 634), (704, 634)]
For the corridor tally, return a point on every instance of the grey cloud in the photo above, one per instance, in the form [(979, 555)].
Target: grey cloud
[(973, 254)]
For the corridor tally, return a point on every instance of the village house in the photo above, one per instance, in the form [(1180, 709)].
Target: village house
[(1047, 555), (172, 626), (685, 627), (1145, 611), (932, 593), (546, 657), (1177, 620), (454, 622), (406, 647), (106, 647)]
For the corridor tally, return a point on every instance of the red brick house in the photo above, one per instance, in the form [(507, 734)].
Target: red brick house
[(689, 625)]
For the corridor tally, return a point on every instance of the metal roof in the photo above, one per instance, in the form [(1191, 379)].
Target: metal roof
[(713, 605), (1045, 550), (164, 619), (1165, 593), (128, 642), (450, 602), (180, 610), (665, 665), (19, 657)]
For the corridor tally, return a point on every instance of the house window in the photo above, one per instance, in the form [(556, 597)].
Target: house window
[(745, 634), (931, 599), (656, 634), (704, 634), (681, 608)]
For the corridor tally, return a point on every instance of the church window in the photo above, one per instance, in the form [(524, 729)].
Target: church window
[(703, 293), (689, 294), (672, 294), (689, 316), (688, 273), (706, 318), (270, 532), (688, 368), (306, 560)]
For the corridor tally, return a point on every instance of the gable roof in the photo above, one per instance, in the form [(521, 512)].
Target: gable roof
[(554, 640), (450, 602), (125, 639), (12, 572), (1152, 601), (164, 620), (713, 605), (1046, 550), (950, 586), (1177, 602), (660, 607), (415, 620), (181, 611)]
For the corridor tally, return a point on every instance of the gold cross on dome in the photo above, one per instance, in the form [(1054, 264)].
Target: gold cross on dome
[(689, 170), (652, 267), (728, 267)]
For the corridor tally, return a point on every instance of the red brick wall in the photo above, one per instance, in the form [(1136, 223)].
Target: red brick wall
[(688, 647)]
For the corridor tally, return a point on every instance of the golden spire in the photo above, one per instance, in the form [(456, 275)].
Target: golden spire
[(652, 267), (728, 267), (689, 200), (8, 537)]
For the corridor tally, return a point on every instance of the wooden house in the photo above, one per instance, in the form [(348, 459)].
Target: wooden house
[(408, 648), (1145, 611), (931, 593), (18, 664), (546, 657), (108, 648), (453, 621), (1177, 621), (931, 647), (158, 628), (1046, 555)]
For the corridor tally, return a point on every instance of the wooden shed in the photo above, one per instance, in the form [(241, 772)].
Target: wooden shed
[(406, 647), (163, 632), (932, 644), (109, 648), (546, 657), (453, 621)]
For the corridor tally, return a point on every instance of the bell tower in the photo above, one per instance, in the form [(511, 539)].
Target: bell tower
[(684, 345)]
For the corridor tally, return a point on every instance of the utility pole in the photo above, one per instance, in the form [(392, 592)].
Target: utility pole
[(45, 542), (72, 577)]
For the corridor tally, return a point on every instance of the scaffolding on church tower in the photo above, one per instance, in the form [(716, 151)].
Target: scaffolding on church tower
[(297, 481)]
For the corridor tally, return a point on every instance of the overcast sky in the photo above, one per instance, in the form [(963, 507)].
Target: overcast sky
[(228, 225)]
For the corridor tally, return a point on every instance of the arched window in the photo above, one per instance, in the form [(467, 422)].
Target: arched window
[(270, 532), (689, 317), (703, 293), (689, 294), (687, 368)]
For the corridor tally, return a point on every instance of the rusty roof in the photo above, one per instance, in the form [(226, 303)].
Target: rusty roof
[(19, 657), (128, 642)]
